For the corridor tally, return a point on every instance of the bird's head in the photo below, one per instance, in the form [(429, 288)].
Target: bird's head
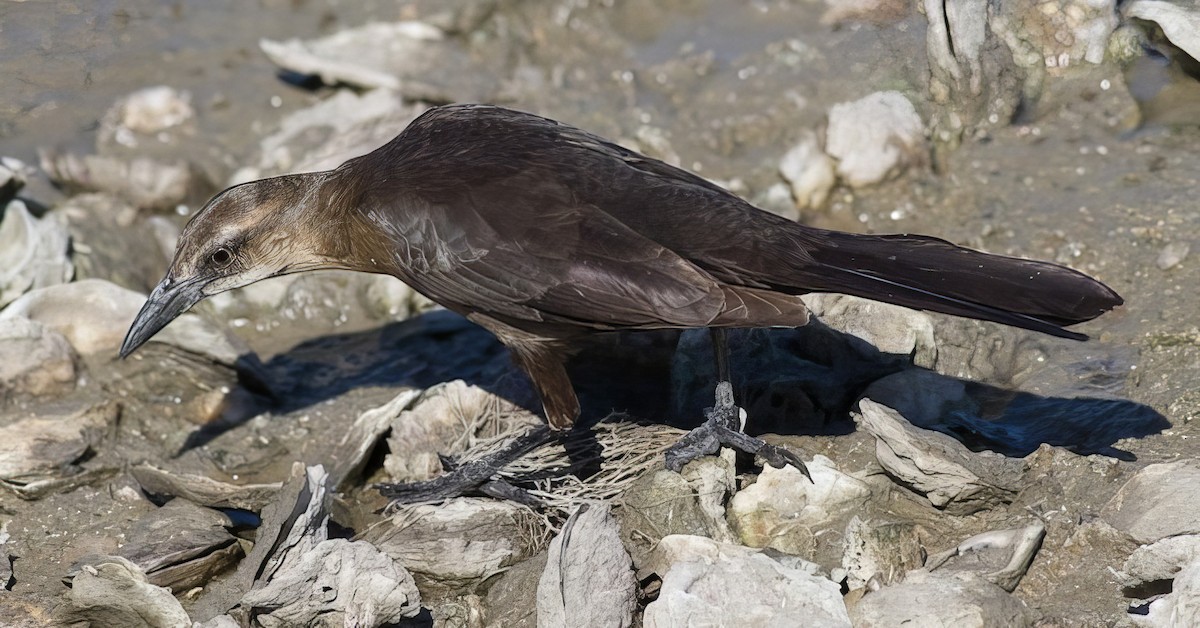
[(246, 233)]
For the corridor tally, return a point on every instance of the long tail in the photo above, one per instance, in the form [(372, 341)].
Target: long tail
[(930, 274)]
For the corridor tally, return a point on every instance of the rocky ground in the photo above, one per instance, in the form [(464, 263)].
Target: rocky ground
[(964, 474)]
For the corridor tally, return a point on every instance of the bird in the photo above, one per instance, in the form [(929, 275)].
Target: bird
[(543, 233)]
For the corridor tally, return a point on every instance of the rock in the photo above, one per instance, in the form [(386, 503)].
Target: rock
[(1160, 560), (336, 583), (37, 449), (111, 309), (13, 175), (149, 111), (1180, 22), (147, 183), (659, 504), (292, 527), (442, 420), (205, 491), (951, 476), (450, 548), (34, 359), (181, 545), (114, 592), (766, 513), (1160, 500), (411, 57), (710, 583), (1180, 607), (881, 551), (359, 441), (874, 138), (330, 132), (512, 600), (34, 253), (712, 480), (111, 242), (777, 198), (809, 171), (588, 579), (1172, 255), (887, 328), (1002, 556), (960, 600)]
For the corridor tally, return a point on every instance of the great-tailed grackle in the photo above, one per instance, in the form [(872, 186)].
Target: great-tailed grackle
[(541, 232)]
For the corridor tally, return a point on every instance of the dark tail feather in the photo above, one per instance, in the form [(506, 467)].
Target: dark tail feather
[(930, 274)]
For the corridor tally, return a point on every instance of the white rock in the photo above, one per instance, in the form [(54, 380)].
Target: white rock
[(33, 358), (1160, 500), (459, 543), (881, 550), (111, 310), (1180, 607), (588, 579), (155, 109), (114, 592), (1180, 22), (1161, 560), (960, 600), (809, 171), (782, 499), (875, 137), (338, 582), (705, 583), (942, 468), (1172, 255), (33, 252), (888, 328)]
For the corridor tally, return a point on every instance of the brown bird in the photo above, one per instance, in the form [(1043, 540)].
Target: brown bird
[(541, 232)]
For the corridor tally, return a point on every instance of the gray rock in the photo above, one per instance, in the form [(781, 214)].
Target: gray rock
[(659, 504), (34, 359), (783, 503), (719, 584), (146, 112), (181, 545), (888, 328), (1180, 607), (951, 476), (413, 58), (34, 253), (1161, 560), (880, 551), (960, 600), (145, 182), (809, 171), (364, 434), (1179, 21), (13, 175), (1172, 255), (114, 592), (451, 548), (875, 137), (444, 420), (336, 583), (1000, 556), (111, 309), (588, 579), (1160, 500), (512, 599), (39, 448), (203, 490)]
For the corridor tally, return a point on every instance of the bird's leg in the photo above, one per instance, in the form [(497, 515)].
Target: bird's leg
[(723, 425), (474, 477)]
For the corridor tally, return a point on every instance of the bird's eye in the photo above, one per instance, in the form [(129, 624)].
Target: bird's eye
[(221, 257)]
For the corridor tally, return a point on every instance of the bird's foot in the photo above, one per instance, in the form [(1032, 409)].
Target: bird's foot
[(473, 477), (722, 428)]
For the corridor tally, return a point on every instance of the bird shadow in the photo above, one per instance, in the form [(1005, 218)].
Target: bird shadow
[(803, 381)]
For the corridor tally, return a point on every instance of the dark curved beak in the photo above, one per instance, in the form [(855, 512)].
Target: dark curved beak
[(169, 300)]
